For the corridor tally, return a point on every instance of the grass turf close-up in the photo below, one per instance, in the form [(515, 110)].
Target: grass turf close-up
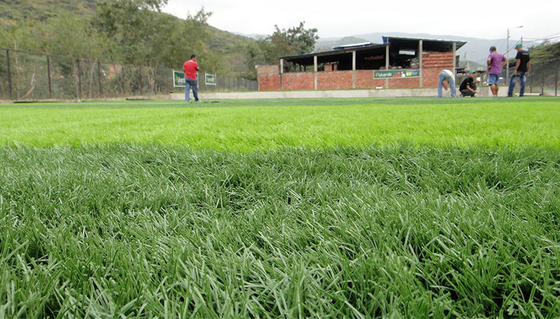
[(307, 208)]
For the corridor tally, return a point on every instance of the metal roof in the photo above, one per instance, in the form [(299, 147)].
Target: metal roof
[(337, 50), (439, 45)]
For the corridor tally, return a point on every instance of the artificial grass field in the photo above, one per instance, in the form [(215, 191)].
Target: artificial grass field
[(285, 208)]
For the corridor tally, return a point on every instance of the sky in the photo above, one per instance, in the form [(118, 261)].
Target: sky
[(474, 18)]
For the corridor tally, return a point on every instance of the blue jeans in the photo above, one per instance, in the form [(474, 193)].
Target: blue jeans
[(188, 84), (444, 76), (519, 77)]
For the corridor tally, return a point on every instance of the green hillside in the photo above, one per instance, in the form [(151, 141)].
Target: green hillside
[(121, 35), (44, 9)]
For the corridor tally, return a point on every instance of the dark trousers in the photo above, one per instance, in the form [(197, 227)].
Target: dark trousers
[(467, 93)]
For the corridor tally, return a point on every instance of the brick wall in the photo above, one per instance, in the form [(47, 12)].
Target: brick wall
[(430, 77), (269, 82), (334, 80), (298, 81), (432, 65), (400, 83), (365, 80)]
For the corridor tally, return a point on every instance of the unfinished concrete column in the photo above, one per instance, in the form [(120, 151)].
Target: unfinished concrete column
[(387, 64), (454, 61), (420, 52), (281, 74), (353, 69), (315, 69)]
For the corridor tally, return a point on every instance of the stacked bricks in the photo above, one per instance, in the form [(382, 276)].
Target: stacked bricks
[(437, 60)]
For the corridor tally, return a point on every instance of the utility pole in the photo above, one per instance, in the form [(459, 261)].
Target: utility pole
[(507, 51)]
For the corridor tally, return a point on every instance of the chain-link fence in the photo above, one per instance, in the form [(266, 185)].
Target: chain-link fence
[(225, 84), (32, 76), (543, 77)]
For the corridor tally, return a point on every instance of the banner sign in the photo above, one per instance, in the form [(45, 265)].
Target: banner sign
[(390, 74), (210, 79), (178, 79)]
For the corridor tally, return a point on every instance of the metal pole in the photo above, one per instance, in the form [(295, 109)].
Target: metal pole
[(542, 87), (79, 81), (140, 79), (99, 77), (49, 76), (9, 75), (507, 57), (556, 78), (531, 85)]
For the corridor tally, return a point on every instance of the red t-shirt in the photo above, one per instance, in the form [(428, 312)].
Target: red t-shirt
[(190, 67)]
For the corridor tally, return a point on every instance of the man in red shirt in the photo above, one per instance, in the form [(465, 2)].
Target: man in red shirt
[(190, 67)]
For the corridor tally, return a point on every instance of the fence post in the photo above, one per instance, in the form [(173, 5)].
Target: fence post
[(542, 87), (99, 78), (49, 76), (531, 85), (79, 97), (9, 75), (140, 79), (556, 78)]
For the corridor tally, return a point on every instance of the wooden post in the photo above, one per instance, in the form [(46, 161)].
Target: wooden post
[(9, 75)]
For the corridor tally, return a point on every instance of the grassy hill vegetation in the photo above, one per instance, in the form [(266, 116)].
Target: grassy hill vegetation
[(136, 32), (121, 31)]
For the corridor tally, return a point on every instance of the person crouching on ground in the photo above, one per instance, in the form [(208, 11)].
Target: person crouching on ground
[(468, 86), (446, 80), (190, 67)]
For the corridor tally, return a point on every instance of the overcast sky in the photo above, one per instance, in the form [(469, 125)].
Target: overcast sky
[(474, 18)]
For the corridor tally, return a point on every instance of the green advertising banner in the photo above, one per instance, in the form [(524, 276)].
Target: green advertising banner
[(178, 79), (389, 74), (210, 79)]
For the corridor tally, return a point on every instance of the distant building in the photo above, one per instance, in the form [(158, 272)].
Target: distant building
[(396, 63)]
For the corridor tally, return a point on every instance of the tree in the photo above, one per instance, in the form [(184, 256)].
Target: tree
[(545, 51), (296, 40)]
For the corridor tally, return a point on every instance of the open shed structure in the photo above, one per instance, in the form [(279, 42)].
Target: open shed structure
[(396, 63)]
